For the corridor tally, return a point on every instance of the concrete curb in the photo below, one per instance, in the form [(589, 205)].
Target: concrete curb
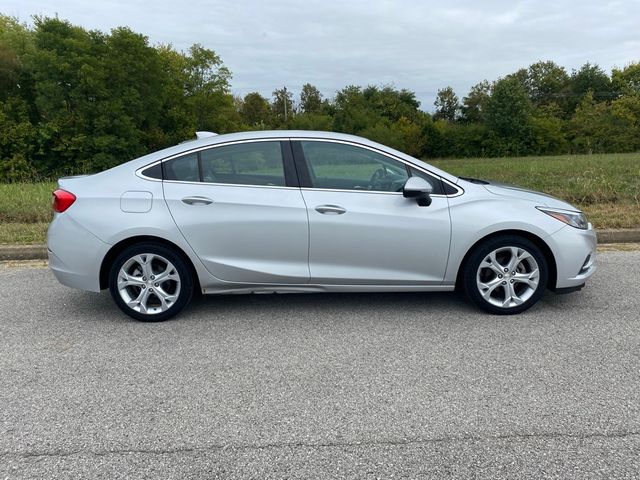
[(23, 252), (39, 252), (619, 236)]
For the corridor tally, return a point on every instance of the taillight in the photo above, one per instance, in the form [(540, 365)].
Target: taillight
[(62, 200)]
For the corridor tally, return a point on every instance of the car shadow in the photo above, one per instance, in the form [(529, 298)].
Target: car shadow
[(100, 306)]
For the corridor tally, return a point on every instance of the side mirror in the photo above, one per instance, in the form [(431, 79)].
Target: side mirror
[(418, 188)]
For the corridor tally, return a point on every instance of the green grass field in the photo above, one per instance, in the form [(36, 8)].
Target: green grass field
[(25, 211), (606, 187)]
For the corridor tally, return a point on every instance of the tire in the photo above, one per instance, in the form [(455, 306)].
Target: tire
[(150, 282), (505, 275)]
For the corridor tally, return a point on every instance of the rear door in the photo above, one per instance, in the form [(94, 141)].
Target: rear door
[(239, 207), (362, 229)]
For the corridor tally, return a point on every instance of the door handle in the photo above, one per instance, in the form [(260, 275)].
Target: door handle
[(330, 210), (197, 200)]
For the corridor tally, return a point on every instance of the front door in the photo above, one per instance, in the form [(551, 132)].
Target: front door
[(362, 230)]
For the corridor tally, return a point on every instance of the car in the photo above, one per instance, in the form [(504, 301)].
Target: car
[(305, 211)]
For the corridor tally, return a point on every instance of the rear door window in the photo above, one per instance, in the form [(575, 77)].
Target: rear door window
[(252, 163)]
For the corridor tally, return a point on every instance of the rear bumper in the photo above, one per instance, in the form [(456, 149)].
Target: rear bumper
[(75, 255), (575, 254)]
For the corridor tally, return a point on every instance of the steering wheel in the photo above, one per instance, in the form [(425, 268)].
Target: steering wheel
[(378, 179)]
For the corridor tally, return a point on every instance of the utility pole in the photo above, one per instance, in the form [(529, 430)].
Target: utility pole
[(285, 104)]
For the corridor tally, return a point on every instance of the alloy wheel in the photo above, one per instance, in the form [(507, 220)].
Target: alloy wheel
[(508, 276), (148, 283)]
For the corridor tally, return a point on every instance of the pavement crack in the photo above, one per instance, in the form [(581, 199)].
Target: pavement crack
[(329, 444)]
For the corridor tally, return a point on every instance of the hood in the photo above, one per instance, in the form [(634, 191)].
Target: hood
[(514, 191)]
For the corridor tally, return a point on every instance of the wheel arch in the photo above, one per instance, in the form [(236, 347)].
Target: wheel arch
[(535, 239), (115, 250)]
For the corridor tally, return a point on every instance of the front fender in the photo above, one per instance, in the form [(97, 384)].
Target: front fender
[(473, 219)]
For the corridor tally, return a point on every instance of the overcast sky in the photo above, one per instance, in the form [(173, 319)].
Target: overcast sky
[(413, 44)]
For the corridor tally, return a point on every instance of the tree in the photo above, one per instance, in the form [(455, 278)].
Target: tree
[(590, 77), (310, 99), (390, 103), (508, 111), (548, 133), (207, 91), (447, 105), (589, 131), (357, 109), (205, 72), (475, 103), (352, 112), (627, 80), (282, 105), (16, 142), (254, 110), (16, 42), (311, 121), (546, 82)]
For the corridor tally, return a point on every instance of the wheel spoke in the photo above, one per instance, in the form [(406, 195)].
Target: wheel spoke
[(146, 293), (126, 280), (487, 288), (140, 302), (492, 263), (515, 299), (514, 260), (529, 278), (169, 273), (166, 299), (144, 260)]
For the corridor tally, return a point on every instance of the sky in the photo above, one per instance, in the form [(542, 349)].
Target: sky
[(418, 45)]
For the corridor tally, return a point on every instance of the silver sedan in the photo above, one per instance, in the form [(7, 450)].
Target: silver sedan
[(301, 211)]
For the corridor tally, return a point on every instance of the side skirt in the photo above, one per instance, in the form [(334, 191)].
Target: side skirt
[(246, 289)]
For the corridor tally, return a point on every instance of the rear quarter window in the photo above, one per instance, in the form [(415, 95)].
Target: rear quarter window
[(154, 171), (182, 169)]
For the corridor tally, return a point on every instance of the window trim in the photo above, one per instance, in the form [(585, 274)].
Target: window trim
[(305, 176), (288, 165), (299, 165)]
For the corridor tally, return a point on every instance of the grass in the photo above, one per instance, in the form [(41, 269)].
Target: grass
[(606, 187), (23, 233), (25, 202), (25, 212)]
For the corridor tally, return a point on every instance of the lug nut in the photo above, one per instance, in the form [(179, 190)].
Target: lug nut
[(152, 277), (144, 279), (504, 283), (144, 286), (513, 273), (499, 276), (511, 281), (156, 284), (506, 269)]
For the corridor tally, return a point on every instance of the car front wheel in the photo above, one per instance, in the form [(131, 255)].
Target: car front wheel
[(150, 282), (505, 275)]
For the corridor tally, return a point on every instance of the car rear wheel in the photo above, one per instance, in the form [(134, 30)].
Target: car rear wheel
[(505, 275), (150, 282)]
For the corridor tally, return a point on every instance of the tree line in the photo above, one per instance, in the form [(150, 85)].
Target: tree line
[(74, 100)]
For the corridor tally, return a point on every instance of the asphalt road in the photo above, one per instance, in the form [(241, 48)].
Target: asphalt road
[(319, 386)]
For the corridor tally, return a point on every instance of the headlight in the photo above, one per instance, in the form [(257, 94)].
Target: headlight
[(575, 219)]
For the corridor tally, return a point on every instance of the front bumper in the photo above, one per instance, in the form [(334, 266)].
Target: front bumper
[(575, 254)]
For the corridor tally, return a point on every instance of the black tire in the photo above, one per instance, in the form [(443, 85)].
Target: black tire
[(157, 254), (474, 277)]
